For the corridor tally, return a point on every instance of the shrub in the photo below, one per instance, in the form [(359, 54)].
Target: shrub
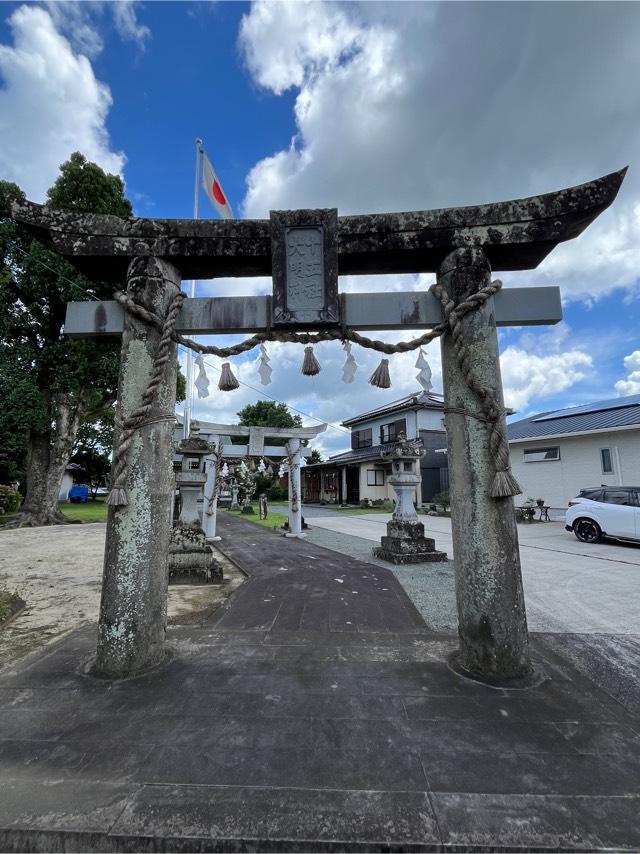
[(276, 493), (9, 499), (442, 499)]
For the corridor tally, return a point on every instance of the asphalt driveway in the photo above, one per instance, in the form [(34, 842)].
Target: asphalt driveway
[(569, 586)]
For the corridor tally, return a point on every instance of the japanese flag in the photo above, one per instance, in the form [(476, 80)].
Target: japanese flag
[(214, 190)]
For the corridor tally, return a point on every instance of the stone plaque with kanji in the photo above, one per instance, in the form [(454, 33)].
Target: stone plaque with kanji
[(304, 249)]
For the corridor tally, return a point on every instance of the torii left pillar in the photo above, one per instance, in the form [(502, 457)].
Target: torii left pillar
[(133, 608)]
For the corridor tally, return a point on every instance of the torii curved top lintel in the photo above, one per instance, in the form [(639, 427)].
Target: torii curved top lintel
[(516, 235)]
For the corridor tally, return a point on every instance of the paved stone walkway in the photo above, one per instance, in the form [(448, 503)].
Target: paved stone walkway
[(315, 712)]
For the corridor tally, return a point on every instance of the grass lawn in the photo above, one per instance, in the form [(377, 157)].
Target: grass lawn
[(92, 511), (273, 520)]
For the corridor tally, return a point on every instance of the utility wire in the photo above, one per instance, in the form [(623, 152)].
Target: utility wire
[(58, 274), (184, 349), (275, 399)]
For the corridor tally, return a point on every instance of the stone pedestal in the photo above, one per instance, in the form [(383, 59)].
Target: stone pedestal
[(191, 559), (405, 542)]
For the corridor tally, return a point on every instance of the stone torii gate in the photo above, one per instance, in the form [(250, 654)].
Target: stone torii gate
[(294, 439), (304, 251)]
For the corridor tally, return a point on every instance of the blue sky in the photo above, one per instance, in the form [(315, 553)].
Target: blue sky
[(365, 107)]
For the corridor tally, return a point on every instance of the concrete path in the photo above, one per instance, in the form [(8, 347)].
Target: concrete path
[(569, 586), (315, 712)]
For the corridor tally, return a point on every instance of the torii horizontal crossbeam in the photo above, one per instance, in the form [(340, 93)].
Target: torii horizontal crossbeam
[(515, 235), (533, 306)]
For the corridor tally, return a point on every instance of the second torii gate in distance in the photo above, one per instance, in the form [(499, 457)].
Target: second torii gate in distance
[(304, 251), (294, 439)]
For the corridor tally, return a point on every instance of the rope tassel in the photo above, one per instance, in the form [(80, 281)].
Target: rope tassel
[(117, 497), (310, 365), (380, 377), (228, 382), (504, 485)]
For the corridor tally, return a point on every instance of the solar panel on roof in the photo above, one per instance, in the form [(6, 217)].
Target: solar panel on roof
[(602, 406)]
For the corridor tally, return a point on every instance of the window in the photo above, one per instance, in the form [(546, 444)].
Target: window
[(375, 477), (619, 496), (592, 494), (539, 455), (390, 432), (194, 465), (361, 439), (606, 461)]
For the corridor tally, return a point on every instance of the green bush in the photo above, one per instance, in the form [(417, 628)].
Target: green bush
[(442, 499), (9, 499), (276, 493)]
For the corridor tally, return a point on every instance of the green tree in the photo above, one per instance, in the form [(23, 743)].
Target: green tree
[(92, 450), (314, 457), (268, 413), (54, 384)]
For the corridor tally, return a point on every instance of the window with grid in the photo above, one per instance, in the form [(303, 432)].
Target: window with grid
[(375, 477), (361, 439)]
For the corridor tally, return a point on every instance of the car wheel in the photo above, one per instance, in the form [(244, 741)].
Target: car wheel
[(587, 531)]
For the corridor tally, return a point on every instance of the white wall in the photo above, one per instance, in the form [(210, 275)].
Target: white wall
[(373, 492), (579, 466), (422, 419), (431, 419)]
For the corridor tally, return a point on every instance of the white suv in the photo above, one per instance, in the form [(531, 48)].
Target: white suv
[(609, 511)]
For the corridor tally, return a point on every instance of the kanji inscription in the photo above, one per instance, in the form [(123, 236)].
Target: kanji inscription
[(304, 254), (305, 268)]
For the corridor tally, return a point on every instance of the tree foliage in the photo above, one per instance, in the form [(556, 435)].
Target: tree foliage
[(42, 371), (268, 413), (84, 187)]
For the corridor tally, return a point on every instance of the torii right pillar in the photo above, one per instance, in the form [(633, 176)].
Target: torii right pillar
[(492, 620)]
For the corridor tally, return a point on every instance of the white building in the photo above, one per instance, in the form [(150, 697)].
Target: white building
[(556, 454), (361, 473)]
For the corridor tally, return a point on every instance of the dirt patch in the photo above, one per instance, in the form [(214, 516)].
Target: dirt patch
[(192, 604), (57, 571), (10, 605)]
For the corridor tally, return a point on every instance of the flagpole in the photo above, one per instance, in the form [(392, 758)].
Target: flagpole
[(186, 427)]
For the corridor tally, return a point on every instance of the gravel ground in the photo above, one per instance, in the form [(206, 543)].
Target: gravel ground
[(430, 586), (58, 572)]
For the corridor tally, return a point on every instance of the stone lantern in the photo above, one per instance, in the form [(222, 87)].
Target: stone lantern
[(405, 541), (190, 556)]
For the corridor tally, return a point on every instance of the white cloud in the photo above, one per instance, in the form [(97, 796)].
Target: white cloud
[(407, 106), (315, 38), (76, 21), (79, 23), (51, 104), (127, 24), (630, 385), (526, 375), (412, 106)]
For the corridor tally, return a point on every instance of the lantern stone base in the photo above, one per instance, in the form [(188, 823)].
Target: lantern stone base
[(405, 542), (191, 559)]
